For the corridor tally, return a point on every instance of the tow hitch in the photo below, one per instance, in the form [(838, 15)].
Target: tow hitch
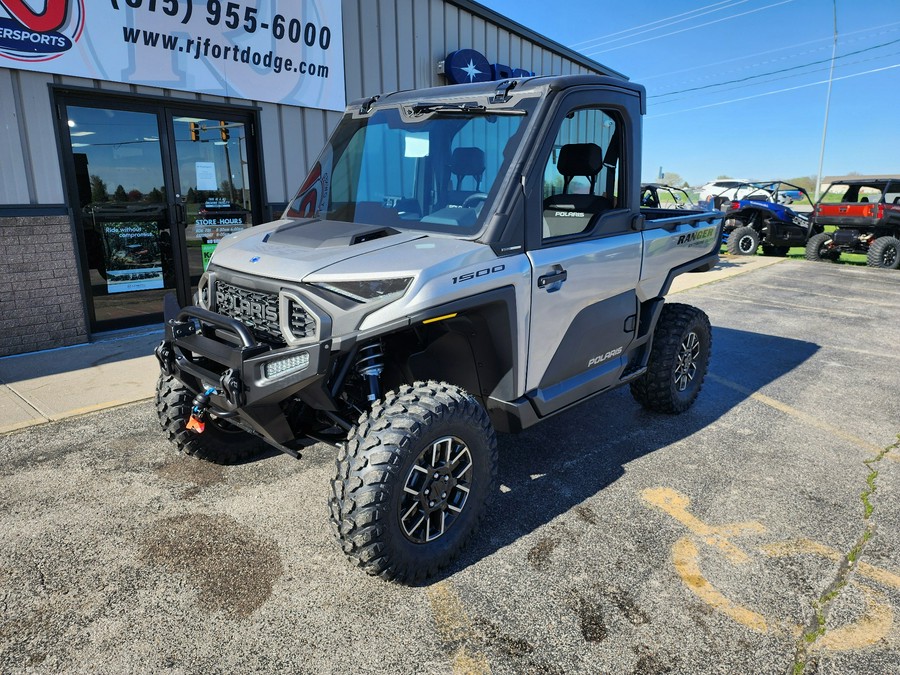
[(198, 412)]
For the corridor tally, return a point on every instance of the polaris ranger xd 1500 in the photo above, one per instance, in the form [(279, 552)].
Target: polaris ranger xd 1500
[(459, 260)]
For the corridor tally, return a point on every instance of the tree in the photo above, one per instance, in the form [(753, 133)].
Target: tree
[(808, 183), (156, 195), (120, 195), (723, 177), (673, 179), (135, 195), (99, 191)]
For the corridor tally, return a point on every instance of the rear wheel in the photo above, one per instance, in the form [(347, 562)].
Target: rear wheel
[(743, 241), (220, 442), (412, 482), (818, 248), (884, 252), (678, 360)]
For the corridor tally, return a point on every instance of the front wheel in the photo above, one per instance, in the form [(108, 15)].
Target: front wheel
[(413, 480), (221, 442), (743, 241), (884, 252), (818, 248), (678, 361)]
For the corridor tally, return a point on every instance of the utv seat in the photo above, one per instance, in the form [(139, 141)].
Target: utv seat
[(573, 213), (465, 163)]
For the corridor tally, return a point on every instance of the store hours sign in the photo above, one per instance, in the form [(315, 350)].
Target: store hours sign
[(281, 51)]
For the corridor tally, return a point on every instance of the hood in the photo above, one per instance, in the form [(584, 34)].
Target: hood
[(292, 249)]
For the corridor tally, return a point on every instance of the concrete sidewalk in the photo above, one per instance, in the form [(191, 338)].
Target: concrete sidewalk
[(120, 368)]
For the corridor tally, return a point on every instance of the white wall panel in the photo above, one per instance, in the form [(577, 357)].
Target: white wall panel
[(389, 42), (13, 181), (405, 41), (40, 135), (422, 65), (272, 142)]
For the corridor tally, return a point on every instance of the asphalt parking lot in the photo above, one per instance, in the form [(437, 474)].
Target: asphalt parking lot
[(758, 533)]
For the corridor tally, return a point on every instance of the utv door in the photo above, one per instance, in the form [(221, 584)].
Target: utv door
[(585, 261)]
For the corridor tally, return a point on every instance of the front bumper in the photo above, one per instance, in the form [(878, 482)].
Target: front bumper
[(247, 381)]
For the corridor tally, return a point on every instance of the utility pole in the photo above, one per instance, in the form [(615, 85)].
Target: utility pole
[(827, 102)]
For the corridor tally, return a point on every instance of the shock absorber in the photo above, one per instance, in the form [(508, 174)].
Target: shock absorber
[(370, 365)]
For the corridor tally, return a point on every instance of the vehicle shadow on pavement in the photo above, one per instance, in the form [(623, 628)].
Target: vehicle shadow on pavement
[(555, 466)]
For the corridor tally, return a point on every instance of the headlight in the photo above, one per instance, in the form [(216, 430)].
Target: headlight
[(202, 297), (365, 291)]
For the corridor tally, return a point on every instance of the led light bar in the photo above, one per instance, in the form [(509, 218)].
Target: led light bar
[(287, 365)]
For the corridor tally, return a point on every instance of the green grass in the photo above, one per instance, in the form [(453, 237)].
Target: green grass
[(799, 253)]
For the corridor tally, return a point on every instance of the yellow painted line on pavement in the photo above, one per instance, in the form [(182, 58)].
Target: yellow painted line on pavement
[(454, 627), (800, 415), (873, 626), (806, 546), (685, 559)]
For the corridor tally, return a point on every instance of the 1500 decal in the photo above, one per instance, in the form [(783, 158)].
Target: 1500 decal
[(468, 276)]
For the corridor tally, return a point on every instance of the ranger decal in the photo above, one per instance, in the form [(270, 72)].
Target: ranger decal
[(700, 236)]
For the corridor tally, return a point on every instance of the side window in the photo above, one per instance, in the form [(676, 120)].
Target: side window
[(582, 177)]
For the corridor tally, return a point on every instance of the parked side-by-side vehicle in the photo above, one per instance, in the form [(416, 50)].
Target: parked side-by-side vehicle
[(859, 216), (459, 260), (774, 215)]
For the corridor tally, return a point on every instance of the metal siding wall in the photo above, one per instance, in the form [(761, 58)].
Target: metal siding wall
[(406, 33), (41, 139), (273, 153), (13, 185), (387, 23)]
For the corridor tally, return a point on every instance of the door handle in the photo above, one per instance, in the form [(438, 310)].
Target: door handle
[(558, 275), (180, 213)]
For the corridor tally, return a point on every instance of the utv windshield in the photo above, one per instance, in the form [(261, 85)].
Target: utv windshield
[(427, 168)]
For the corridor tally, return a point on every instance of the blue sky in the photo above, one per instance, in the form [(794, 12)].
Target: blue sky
[(776, 130)]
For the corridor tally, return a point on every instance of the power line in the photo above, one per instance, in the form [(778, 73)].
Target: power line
[(777, 91), (628, 30), (634, 31), (786, 77), (775, 72), (827, 98), (645, 78), (700, 25)]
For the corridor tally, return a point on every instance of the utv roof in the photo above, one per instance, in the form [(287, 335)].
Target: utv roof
[(517, 86), (864, 181)]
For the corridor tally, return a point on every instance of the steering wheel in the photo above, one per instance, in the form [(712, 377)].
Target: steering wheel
[(475, 201)]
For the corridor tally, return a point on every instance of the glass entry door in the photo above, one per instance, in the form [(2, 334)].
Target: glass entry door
[(213, 184), (154, 188)]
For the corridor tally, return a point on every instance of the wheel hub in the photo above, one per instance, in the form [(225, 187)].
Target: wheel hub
[(686, 361), (436, 489)]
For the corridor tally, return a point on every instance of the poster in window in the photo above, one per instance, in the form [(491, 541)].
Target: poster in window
[(134, 257)]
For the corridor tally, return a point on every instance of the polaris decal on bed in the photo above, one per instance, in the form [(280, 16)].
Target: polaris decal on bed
[(696, 238)]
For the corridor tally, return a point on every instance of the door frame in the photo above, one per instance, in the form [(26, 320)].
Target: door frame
[(165, 108)]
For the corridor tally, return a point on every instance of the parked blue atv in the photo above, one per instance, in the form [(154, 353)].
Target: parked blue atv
[(771, 214)]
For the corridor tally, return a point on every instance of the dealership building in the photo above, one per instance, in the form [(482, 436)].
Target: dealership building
[(134, 135)]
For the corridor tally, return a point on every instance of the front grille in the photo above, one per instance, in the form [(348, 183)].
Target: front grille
[(257, 310), (301, 322)]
